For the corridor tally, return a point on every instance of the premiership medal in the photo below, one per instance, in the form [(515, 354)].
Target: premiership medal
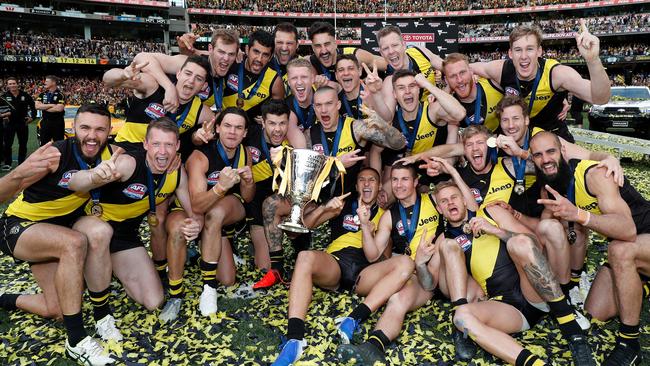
[(519, 188), (96, 209), (152, 219), (467, 229), (491, 142), (356, 220), (240, 102)]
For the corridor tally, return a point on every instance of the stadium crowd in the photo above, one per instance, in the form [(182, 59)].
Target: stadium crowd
[(569, 52), (599, 25), (369, 6), (45, 44), (205, 29)]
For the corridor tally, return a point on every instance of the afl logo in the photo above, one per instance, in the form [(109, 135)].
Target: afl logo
[(255, 154), (477, 195), (155, 111), (400, 227), (135, 191), (204, 93), (318, 148), (65, 179), (511, 91), (213, 178), (464, 242), (350, 224), (233, 82)]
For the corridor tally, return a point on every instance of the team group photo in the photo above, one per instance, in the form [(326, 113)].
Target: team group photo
[(203, 182)]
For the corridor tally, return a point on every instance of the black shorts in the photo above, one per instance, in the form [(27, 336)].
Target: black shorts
[(516, 299), (12, 227), (254, 212), (232, 230), (126, 235), (351, 262)]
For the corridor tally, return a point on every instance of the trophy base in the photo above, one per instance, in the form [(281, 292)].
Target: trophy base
[(294, 228)]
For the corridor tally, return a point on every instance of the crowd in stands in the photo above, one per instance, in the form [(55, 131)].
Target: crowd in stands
[(638, 79), (76, 89), (43, 44), (367, 6), (597, 25), (570, 52), (342, 33)]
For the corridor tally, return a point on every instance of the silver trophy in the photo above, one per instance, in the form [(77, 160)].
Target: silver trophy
[(306, 166)]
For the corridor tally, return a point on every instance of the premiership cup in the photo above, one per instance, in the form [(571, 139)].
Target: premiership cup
[(306, 166)]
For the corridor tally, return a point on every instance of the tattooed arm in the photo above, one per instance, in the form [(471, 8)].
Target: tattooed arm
[(374, 129)]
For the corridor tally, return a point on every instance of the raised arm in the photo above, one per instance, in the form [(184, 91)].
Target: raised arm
[(374, 243), (446, 107)]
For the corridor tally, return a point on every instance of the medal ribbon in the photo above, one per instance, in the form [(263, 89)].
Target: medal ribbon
[(153, 189), (240, 83), (222, 153), (180, 120), (337, 139), (410, 227), (410, 137), (533, 91), (348, 108), (94, 193), (217, 91), (519, 163), (458, 230), (477, 107), (304, 122), (265, 149)]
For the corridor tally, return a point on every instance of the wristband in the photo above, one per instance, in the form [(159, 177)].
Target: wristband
[(219, 193)]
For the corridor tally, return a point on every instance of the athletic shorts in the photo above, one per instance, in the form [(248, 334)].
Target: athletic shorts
[(531, 313), (351, 262), (126, 235), (232, 230), (254, 212), (12, 227)]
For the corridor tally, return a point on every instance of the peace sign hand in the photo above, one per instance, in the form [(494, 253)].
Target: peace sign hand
[(561, 207), (206, 132), (373, 81), (133, 71), (588, 44)]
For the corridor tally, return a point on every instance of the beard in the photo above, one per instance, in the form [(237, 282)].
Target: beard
[(558, 181), (90, 159)]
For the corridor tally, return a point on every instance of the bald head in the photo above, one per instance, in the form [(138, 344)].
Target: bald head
[(543, 140)]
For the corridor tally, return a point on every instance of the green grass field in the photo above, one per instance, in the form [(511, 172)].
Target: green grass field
[(247, 330)]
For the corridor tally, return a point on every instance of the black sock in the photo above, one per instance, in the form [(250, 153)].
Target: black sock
[(176, 289), (575, 276), (74, 326), (8, 301), (563, 313), (277, 261), (360, 313), (209, 273), (296, 329), (566, 287), (629, 334), (378, 339), (99, 299), (457, 303), (161, 268), (526, 358)]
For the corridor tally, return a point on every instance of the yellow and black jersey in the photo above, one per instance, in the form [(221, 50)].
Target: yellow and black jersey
[(330, 71), (409, 222), (306, 116), (217, 160), (261, 159), (337, 143), (129, 200), (487, 260), (489, 98), (55, 97), (256, 88), (50, 198), (346, 229), (548, 102), (351, 107), (419, 63), (142, 111), (585, 200), (421, 134), (282, 72)]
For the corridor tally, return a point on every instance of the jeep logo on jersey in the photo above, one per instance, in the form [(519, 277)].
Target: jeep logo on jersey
[(135, 191), (477, 195), (255, 154), (511, 91), (213, 178), (350, 224), (233, 82), (204, 93), (464, 242), (318, 148), (65, 179), (155, 111)]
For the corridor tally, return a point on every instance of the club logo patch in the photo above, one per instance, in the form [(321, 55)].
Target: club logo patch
[(213, 178), (155, 111), (400, 227), (477, 195), (204, 93), (65, 179), (511, 91), (135, 191), (464, 242), (318, 148)]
